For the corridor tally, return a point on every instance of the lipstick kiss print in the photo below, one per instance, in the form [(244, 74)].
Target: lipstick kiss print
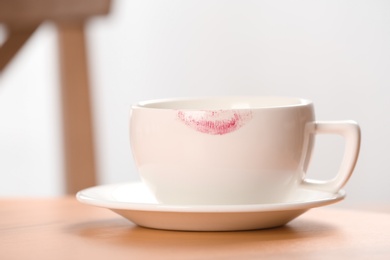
[(218, 122)]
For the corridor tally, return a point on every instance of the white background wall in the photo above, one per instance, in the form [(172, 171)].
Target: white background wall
[(336, 53)]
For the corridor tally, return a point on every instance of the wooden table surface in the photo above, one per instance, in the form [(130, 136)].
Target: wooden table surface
[(62, 228)]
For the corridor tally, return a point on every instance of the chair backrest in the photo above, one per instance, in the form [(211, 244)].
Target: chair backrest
[(21, 18)]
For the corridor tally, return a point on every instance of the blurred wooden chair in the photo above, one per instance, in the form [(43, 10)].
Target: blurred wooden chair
[(21, 18)]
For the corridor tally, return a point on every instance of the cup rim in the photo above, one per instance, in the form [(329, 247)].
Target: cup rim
[(223, 103)]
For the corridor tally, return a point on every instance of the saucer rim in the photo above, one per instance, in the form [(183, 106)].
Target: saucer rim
[(84, 196)]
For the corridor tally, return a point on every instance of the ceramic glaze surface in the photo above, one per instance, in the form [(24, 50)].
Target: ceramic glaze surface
[(135, 202), (222, 150)]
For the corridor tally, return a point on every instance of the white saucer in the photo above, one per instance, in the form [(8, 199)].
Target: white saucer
[(134, 202)]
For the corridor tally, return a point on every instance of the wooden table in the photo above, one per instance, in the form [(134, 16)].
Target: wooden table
[(62, 228)]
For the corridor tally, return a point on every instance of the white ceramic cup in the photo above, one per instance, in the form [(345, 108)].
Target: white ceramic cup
[(232, 150)]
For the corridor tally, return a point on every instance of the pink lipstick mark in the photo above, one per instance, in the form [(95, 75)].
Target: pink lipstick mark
[(215, 122)]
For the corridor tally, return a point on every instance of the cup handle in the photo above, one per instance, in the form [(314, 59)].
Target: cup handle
[(350, 130)]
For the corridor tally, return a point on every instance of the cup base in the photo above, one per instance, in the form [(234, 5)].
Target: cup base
[(235, 196)]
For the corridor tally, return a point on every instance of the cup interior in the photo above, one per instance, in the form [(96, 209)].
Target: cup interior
[(214, 103)]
